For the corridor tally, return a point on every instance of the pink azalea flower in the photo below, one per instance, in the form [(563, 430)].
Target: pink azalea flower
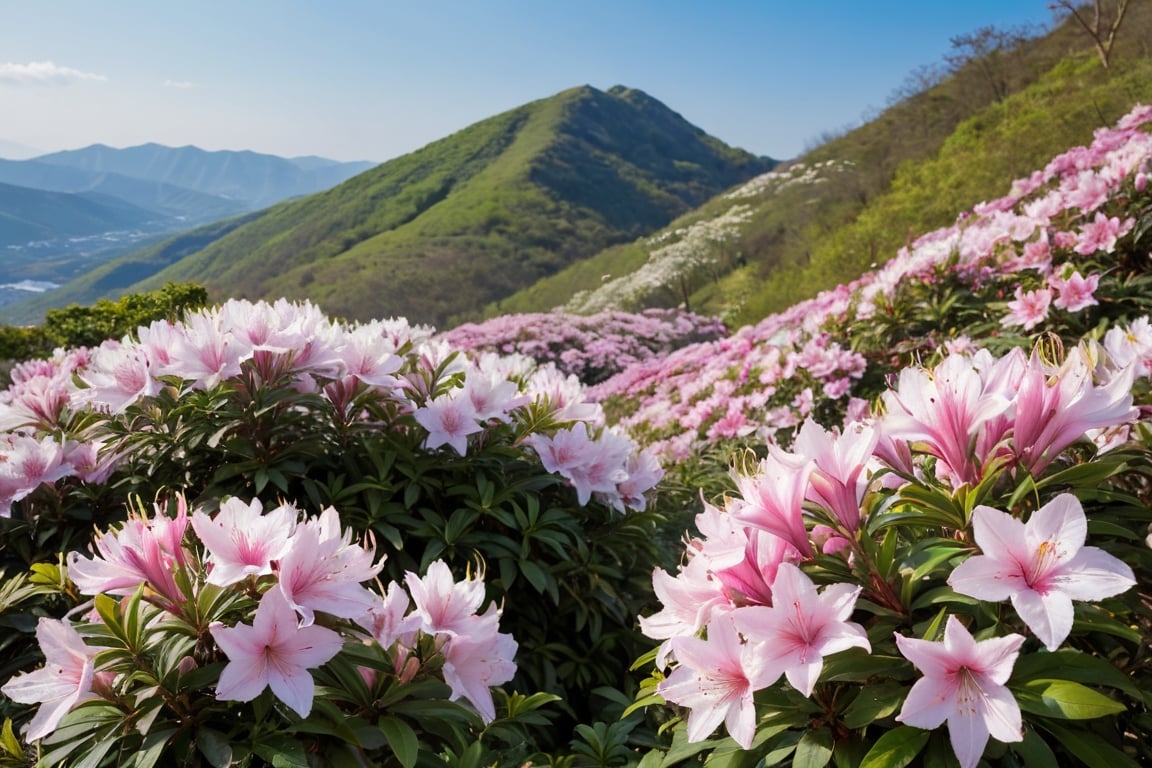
[(25, 463), (39, 402), (444, 605), (643, 471), (1101, 234), (945, 408), (492, 395), (963, 683), (273, 652), (1075, 292), (202, 352), (802, 626), (117, 376), (366, 354), (475, 663), (386, 620), (689, 600), (591, 465), (772, 498), (1131, 346), (90, 461), (1029, 309), (839, 479), (449, 420), (716, 679), (142, 551), (323, 571), (64, 681), (241, 541), (1056, 408), (750, 580), (1041, 565)]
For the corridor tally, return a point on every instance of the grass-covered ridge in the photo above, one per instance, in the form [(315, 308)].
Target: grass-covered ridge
[(497, 206), (940, 149)]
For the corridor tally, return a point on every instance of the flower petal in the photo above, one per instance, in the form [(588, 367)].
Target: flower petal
[(1002, 713), (1048, 616), (1062, 520), (929, 703), (242, 681), (999, 535), (803, 677), (1093, 574), (969, 735), (987, 578), (293, 685)]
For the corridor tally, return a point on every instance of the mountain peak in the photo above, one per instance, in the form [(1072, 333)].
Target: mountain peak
[(496, 205)]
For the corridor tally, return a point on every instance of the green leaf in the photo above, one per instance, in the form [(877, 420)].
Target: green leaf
[(682, 749), (152, 749), (215, 747), (8, 740), (402, 739), (814, 749), (874, 702), (1034, 751), (1089, 748), (535, 575), (896, 748), (1065, 699), (281, 752), (1070, 664)]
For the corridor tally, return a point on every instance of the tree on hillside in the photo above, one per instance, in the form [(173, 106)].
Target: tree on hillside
[(987, 49), (1102, 32)]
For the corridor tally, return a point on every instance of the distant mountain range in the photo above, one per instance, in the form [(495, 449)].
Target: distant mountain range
[(54, 208), (34, 215), (251, 179), (438, 234)]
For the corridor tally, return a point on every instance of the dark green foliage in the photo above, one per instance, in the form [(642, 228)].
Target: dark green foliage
[(570, 578), (77, 326)]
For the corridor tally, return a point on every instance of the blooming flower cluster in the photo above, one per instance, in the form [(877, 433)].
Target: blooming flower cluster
[(1032, 257), (831, 506), (795, 175), (268, 597), (453, 398), (671, 267), (967, 487), (590, 347)]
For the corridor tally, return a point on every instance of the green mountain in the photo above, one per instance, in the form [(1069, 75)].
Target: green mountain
[(438, 233), (956, 134)]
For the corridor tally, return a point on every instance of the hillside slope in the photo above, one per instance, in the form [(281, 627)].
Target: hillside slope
[(824, 218), (438, 233)]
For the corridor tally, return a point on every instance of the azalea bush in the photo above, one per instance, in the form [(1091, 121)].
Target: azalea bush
[(493, 465), (240, 634), (961, 576), (590, 347), (954, 567), (1063, 252)]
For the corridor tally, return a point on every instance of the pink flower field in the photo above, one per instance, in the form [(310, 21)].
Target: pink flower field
[(903, 522)]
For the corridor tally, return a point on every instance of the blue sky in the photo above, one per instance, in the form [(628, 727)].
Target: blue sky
[(372, 80)]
